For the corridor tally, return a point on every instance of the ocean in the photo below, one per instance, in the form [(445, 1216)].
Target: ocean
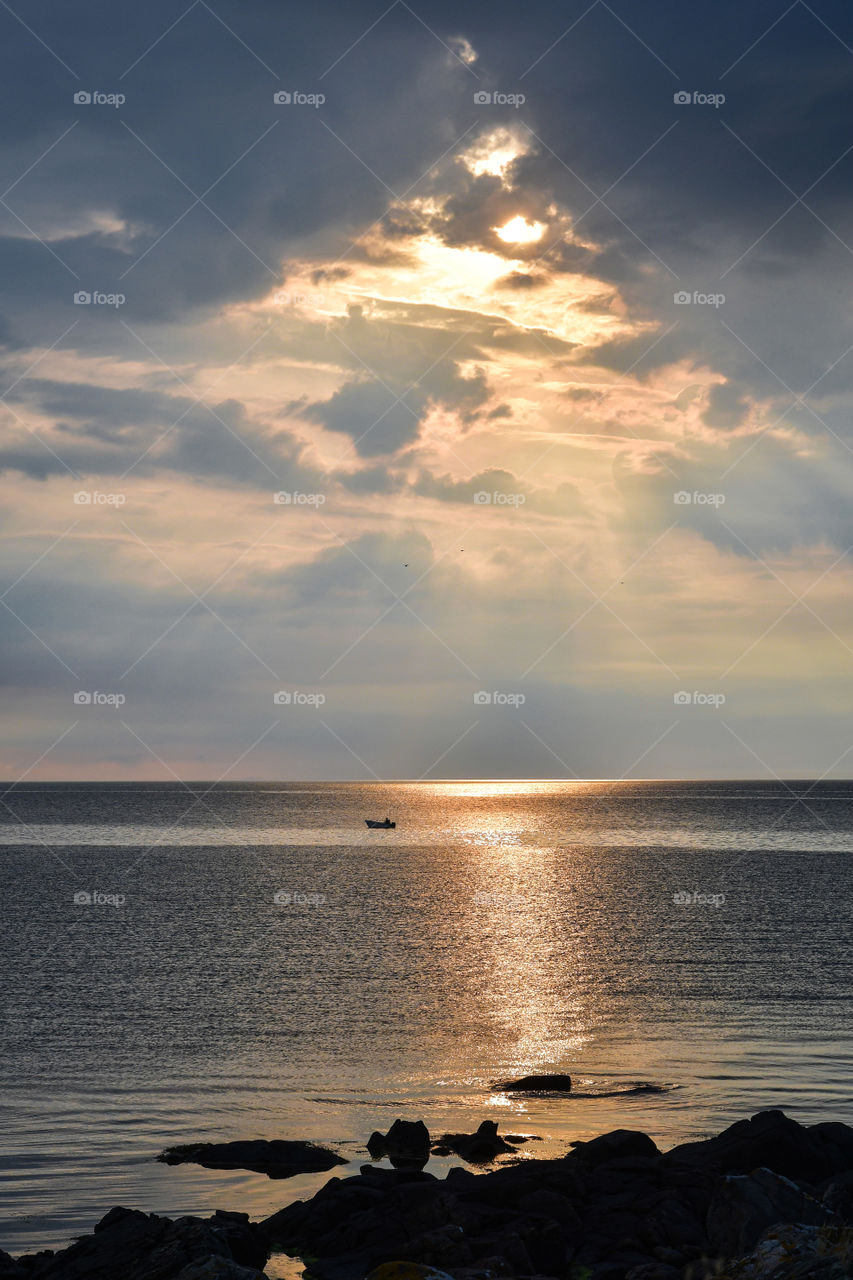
[(248, 961)]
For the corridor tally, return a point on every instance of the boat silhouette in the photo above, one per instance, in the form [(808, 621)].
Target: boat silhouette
[(385, 825)]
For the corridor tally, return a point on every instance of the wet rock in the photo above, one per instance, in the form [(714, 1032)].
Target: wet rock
[(277, 1159), (407, 1142), (743, 1207), (553, 1083), (477, 1148)]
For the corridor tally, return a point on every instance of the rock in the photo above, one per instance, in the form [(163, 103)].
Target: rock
[(539, 1084), (213, 1268), (277, 1159), (407, 1142), (10, 1269), (550, 1204), (794, 1252), (773, 1141), (477, 1148), (653, 1271), (138, 1246), (406, 1271), (248, 1246), (743, 1207), (838, 1196), (619, 1144)]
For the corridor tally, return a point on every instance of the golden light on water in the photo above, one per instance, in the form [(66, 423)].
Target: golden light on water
[(519, 231)]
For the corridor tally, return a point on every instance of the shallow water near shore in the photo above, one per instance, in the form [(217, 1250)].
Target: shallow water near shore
[(249, 961)]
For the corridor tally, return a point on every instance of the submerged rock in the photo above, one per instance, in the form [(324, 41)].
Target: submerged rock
[(277, 1159), (539, 1084), (407, 1142), (477, 1148)]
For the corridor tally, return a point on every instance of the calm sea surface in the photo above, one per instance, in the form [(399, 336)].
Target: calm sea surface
[(249, 961)]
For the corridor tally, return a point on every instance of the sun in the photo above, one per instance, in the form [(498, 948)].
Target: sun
[(519, 231)]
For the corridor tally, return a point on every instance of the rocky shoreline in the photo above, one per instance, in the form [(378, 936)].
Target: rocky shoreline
[(767, 1199)]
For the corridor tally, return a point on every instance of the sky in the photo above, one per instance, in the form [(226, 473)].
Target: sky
[(426, 391)]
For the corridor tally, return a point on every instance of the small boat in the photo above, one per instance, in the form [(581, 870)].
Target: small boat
[(385, 825)]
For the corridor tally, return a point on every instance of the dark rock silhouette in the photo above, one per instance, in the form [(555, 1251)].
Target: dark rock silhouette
[(129, 1245), (773, 1140), (539, 1084), (614, 1208), (620, 1144), (477, 1148), (406, 1144), (277, 1159), (744, 1205)]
